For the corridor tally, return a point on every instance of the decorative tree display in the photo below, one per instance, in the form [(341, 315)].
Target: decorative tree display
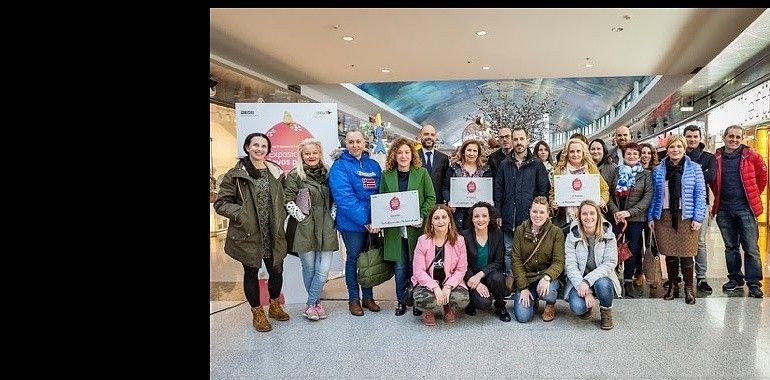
[(500, 111)]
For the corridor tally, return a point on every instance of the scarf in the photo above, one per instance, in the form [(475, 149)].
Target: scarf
[(674, 178), (627, 179), (316, 173), (250, 168)]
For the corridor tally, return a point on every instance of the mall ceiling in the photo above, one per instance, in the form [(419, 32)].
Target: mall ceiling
[(534, 47)]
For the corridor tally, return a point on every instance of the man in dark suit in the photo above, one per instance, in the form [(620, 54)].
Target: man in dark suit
[(436, 162)]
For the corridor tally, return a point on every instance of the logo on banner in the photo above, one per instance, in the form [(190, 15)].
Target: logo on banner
[(395, 203), (471, 187), (284, 138), (577, 184)]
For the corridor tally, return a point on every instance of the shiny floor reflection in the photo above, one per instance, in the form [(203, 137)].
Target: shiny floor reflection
[(718, 337)]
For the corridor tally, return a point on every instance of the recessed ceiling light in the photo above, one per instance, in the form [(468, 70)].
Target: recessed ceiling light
[(744, 83), (617, 29), (485, 67), (589, 65), (348, 38), (702, 86), (481, 33), (385, 70)]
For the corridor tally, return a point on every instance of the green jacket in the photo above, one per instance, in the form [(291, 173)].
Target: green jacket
[(419, 180), (549, 258), (236, 200), (316, 232)]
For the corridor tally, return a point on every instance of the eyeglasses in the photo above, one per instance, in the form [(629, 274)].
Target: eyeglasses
[(504, 137)]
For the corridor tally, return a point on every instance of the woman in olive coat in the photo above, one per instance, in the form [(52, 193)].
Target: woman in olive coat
[(315, 238), (251, 196)]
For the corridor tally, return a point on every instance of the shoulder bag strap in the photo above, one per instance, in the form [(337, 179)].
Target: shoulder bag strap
[(537, 246)]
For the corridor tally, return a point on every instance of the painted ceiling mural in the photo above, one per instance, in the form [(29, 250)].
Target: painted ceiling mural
[(445, 104)]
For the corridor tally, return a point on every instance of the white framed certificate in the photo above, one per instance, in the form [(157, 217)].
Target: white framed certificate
[(395, 209), (571, 189), (467, 191)]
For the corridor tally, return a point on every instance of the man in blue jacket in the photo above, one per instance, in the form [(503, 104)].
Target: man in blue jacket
[(520, 178), (353, 178)]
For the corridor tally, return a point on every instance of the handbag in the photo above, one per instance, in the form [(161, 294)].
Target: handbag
[(509, 279), (372, 267), (624, 252), (651, 262), (303, 200)]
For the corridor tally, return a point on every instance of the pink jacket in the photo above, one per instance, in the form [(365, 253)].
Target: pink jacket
[(455, 262)]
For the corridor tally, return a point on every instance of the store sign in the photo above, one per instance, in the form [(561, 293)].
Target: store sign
[(750, 108), (286, 124)]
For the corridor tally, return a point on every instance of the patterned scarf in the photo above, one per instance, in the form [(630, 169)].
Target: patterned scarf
[(627, 179), (674, 178), (317, 172)]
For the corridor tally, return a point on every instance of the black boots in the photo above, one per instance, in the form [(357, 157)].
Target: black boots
[(689, 291)]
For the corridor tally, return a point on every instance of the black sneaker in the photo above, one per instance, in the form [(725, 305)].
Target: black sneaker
[(470, 309), (731, 286), (755, 291), (703, 286)]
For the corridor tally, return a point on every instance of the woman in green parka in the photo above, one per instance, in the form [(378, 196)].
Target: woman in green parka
[(315, 239), (404, 172), (251, 196)]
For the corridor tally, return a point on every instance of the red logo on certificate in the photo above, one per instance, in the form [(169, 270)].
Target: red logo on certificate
[(471, 187), (577, 184), (395, 203)]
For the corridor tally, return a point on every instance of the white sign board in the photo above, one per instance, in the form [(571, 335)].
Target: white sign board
[(395, 209), (571, 189), (467, 191)]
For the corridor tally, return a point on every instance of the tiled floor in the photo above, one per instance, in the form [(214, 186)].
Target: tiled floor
[(718, 337), (721, 336)]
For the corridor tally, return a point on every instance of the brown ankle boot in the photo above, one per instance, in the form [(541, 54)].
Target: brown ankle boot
[(549, 313), (449, 314), (639, 280), (259, 320), (606, 323), (276, 311), (371, 305), (587, 314), (428, 318), (355, 308)]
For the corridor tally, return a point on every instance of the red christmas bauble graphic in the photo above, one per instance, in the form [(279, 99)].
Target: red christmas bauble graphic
[(577, 184), (284, 139), (395, 203), (471, 187)]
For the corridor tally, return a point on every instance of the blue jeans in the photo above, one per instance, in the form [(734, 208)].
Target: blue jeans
[(508, 240), (315, 268), (524, 314), (603, 290), (402, 270), (701, 259), (635, 243), (354, 245), (739, 228)]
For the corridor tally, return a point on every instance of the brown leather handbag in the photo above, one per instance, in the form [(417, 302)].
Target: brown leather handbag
[(624, 252)]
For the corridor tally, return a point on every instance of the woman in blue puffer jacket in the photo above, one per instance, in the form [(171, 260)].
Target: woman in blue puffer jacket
[(353, 178), (676, 212)]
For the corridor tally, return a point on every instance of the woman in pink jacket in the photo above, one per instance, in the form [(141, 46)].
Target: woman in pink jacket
[(439, 265)]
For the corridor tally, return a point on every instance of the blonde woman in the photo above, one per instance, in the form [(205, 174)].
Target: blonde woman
[(575, 160), (315, 238), (471, 161), (676, 212), (591, 255)]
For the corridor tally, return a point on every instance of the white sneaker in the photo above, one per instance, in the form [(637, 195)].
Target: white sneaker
[(311, 313)]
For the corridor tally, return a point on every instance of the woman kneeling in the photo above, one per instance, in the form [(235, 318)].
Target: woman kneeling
[(439, 265), (591, 258)]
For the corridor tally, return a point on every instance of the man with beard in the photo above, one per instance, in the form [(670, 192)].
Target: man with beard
[(521, 178), (436, 162), (707, 162), (622, 137)]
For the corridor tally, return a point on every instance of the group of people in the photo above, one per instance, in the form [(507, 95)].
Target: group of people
[(525, 247)]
